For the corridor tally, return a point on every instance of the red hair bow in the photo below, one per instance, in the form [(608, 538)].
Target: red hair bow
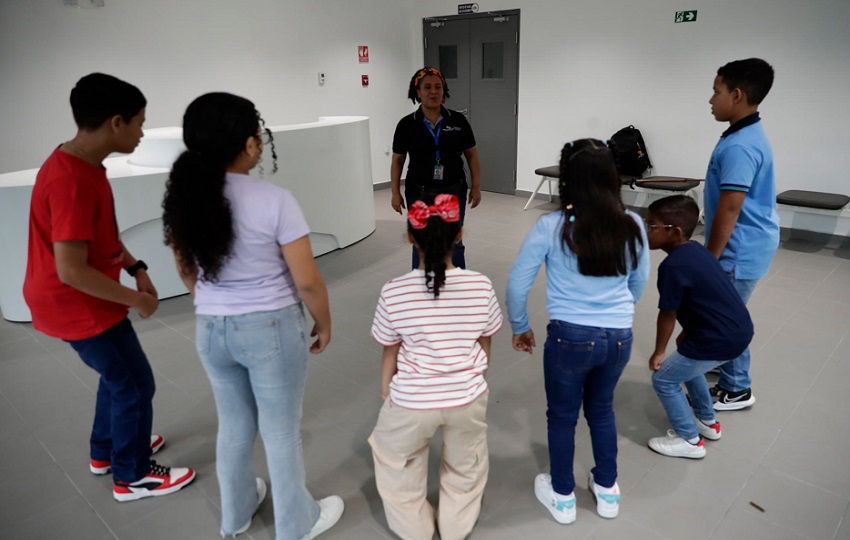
[(445, 206)]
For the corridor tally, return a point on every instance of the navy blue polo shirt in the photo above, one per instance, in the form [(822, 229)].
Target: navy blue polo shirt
[(716, 322), (412, 137)]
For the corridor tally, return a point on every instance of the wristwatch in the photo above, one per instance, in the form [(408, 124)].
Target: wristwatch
[(140, 265)]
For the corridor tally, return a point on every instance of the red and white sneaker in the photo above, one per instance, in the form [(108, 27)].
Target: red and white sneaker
[(101, 467), (160, 480)]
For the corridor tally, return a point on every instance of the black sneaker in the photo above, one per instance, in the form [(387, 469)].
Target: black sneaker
[(731, 401)]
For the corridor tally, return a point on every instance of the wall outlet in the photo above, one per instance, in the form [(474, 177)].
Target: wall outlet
[(321, 79)]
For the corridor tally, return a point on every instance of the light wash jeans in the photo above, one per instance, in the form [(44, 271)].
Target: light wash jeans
[(675, 370), (735, 375), (257, 365)]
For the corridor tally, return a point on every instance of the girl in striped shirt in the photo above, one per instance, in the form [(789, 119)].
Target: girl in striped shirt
[(435, 324)]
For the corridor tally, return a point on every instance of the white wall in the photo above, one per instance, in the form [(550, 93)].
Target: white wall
[(269, 51), (588, 68)]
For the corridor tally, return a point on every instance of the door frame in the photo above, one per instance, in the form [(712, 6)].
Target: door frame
[(481, 15)]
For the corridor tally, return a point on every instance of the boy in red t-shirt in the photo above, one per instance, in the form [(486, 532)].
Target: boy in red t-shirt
[(72, 289)]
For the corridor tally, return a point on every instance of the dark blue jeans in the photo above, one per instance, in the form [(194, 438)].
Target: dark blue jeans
[(414, 193), (124, 411), (582, 365)]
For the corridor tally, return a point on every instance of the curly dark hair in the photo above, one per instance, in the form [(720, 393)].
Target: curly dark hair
[(197, 220), (597, 228), (417, 78)]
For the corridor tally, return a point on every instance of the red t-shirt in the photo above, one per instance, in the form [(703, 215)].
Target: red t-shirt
[(71, 200)]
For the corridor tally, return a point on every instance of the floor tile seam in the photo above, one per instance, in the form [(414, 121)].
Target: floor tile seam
[(374, 526), (841, 522), (46, 509), (603, 523), (812, 385), (765, 517)]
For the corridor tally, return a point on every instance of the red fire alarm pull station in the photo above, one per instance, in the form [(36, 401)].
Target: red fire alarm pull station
[(363, 54), (364, 80)]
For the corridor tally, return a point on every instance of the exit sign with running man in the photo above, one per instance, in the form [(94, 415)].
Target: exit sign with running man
[(686, 16)]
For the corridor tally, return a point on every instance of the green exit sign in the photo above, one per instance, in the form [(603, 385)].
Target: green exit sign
[(686, 16)]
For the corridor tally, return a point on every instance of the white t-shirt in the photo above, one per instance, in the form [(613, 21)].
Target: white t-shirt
[(440, 362), (255, 277)]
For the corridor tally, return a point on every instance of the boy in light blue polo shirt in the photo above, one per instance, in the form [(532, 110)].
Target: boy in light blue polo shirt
[(741, 222)]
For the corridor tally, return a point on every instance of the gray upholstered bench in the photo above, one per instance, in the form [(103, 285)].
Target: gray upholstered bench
[(546, 174), (813, 199)]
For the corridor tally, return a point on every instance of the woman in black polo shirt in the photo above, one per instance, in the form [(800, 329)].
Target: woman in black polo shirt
[(435, 138)]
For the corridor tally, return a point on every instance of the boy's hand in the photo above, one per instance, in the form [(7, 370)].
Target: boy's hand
[(144, 283), (323, 337), (655, 361), (385, 391), (146, 304), (524, 342)]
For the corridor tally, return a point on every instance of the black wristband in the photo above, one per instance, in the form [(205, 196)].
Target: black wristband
[(140, 265)]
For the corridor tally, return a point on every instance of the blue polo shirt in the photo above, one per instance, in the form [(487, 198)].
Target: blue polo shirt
[(743, 161), (716, 322)]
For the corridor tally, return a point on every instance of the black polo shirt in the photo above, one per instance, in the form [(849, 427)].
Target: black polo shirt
[(413, 137)]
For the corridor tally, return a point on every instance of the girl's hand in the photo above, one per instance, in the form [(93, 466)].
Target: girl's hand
[(323, 337), (385, 392), (524, 341)]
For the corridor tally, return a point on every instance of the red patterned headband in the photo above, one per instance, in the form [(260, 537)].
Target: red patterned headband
[(422, 73), (445, 206)]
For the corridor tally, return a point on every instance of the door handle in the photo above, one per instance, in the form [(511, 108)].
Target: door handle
[(465, 112)]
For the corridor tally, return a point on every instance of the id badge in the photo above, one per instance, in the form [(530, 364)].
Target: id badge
[(438, 172)]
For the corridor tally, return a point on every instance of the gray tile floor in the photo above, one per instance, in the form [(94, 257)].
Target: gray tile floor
[(780, 472)]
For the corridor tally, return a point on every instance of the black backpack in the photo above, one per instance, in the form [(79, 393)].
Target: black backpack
[(631, 151)]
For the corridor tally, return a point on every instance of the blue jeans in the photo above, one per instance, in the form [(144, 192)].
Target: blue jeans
[(675, 370), (582, 364), (735, 375), (413, 194), (123, 413), (257, 365)]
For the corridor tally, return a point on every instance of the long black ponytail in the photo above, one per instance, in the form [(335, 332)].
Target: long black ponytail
[(197, 219), (596, 226)]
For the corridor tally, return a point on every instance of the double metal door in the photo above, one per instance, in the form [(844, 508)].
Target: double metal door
[(479, 57)]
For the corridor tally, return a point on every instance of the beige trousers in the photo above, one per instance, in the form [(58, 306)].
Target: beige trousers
[(400, 444)]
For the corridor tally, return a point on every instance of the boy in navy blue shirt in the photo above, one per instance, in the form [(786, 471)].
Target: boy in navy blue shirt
[(716, 327)]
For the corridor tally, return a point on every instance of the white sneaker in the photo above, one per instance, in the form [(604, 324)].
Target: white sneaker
[(674, 446), (331, 510), (564, 511), (261, 496), (607, 499), (709, 431)]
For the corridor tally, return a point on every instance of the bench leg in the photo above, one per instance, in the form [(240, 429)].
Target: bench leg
[(542, 179)]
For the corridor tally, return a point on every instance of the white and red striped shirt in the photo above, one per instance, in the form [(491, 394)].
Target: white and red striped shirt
[(440, 362)]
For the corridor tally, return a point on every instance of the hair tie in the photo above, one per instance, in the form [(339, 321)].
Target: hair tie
[(445, 206), (572, 217)]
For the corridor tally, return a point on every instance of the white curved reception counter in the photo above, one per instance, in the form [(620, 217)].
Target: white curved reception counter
[(325, 164)]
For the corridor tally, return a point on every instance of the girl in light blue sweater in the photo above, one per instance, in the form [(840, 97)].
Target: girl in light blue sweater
[(597, 264)]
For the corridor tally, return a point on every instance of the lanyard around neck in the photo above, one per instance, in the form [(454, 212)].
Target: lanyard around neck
[(435, 134)]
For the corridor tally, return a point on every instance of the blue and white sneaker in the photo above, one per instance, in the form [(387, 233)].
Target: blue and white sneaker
[(562, 509), (607, 499)]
